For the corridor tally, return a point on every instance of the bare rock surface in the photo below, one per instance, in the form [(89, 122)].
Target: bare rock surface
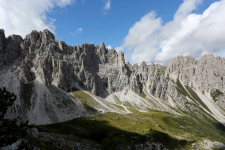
[(41, 71)]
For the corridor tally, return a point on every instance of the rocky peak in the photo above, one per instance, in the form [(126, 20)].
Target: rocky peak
[(101, 51), (9, 48), (14, 39), (62, 45), (121, 60), (111, 56), (33, 36), (102, 46), (179, 63), (209, 59), (205, 74), (143, 64), (47, 35)]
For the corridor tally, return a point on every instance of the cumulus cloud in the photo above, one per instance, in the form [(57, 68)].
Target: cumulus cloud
[(23, 16), (109, 47), (187, 34), (119, 49)]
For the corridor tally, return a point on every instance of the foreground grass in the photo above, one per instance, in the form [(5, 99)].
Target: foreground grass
[(113, 128), (139, 127)]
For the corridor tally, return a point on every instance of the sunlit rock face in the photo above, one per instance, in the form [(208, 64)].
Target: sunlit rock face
[(41, 71)]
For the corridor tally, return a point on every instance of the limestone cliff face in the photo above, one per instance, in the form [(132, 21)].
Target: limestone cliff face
[(37, 100), (204, 74), (10, 48), (42, 62), (95, 68)]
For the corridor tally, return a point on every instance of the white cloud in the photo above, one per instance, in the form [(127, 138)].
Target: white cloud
[(109, 47), (79, 31), (63, 3), (187, 34), (76, 32), (142, 29), (23, 16), (119, 49), (107, 5)]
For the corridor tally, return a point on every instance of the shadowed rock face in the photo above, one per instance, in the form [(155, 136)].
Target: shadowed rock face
[(9, 48)]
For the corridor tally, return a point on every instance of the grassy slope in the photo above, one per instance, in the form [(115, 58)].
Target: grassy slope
[(165, 128), (86, 100), (191, 94), (139, 127), (121, 129)]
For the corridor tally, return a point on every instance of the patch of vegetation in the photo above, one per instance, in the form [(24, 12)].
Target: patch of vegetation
[(195, 97), (26, 91), (139, 127), (86, 100), (190, 93), (215, 94), (117, 99), (43, 145), (153, 72), (128, 104), (181, 89), (172, 80), (216, 74), (163, 70), (119, 106), (203, 92), (110, 128), (143, 95)]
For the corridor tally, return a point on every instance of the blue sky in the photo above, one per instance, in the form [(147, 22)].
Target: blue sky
[(98, 24), (146, 30), (110, 25)]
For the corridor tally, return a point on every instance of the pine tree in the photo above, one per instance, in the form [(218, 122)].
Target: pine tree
[(10, 131)]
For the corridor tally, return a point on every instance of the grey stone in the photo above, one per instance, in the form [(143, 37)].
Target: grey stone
[(101, 71), (33, 132)]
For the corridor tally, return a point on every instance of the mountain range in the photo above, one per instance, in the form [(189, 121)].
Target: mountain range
[(57, 84)]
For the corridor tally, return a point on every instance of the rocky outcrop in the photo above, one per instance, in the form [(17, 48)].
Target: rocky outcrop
[(204, 74), (10, 48), (202, 82), (95, 68)]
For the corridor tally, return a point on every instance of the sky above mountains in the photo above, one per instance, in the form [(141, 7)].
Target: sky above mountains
[(147, 30)]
